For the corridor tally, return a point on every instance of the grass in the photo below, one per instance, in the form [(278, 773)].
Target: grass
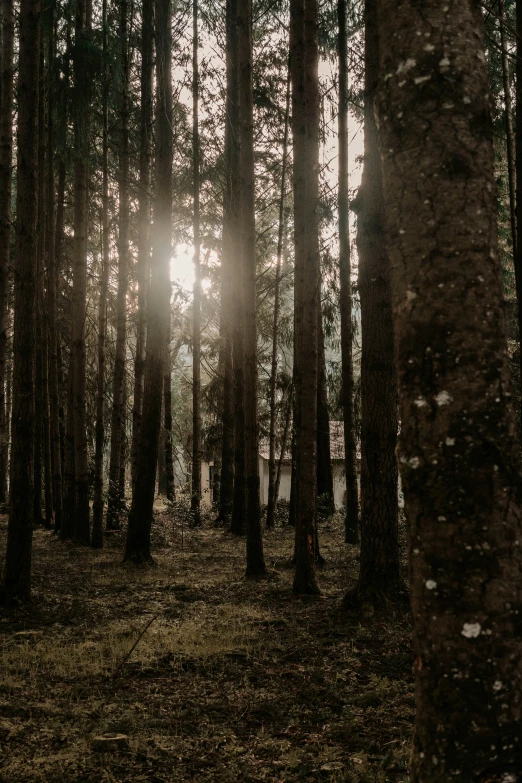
[(235, 680)]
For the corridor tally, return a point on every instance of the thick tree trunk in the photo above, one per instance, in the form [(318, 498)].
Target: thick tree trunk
[(254, 543), (144, 214), (459, 451), (305, 128), (379, 575), (79, 302), (115, 500), (17, 574), (196, 309), (272, 479), (325, 493), (97, 508), (229, 262), (351, 524), (140, 517), (6, 153), (510, 134)]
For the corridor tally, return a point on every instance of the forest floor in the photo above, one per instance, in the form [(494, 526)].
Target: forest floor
[(234, 680)]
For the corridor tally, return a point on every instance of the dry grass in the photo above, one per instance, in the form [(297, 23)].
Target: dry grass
[(234, 681)]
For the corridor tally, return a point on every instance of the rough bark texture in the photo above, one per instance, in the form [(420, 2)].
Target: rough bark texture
[(79, 298), (17, 574), (517, 257), (147, 37), (229, 259), (140, 517), (115, 500), (254, 543), (379, 574), (273, 485), (69, 488), (459, 455), (6, 152), (167, 412), (195, 499), (40, 335), (305, 129), (508, 116), (97, 508), (351, 525)]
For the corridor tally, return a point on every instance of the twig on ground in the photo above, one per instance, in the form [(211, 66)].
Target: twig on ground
[(128, 655)]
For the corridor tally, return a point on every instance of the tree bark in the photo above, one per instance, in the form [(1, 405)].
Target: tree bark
[(254, 542), (272, 477), (351, 523), (379, 574), (195, 500), (79, 303), (144, 213), (508, 114), (325, 493), (459, 450), (17, 574), (97, 509), (140, 517), (6, 154), (167, 412), (305, 129), (228, 263), (115, 500)]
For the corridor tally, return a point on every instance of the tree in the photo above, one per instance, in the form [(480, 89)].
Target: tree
[(17, 576), (196, 308), (351, 525), (254, 543), (79, 301), (115, 498), (6, 152), (140, 518), (304, 57), (379, 574), (459, 455), (325, 494)]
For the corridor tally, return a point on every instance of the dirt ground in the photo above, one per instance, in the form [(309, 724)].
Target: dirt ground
[(233, 680)]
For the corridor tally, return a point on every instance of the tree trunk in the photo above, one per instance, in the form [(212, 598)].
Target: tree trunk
[(17, 574), (140, 517), (6, 154), (144, 215), (510, 135), (97, 508), (272, 479), (459, 451), (167, 412), (195, 500), (114, 499), (379, 574), (284, 441), (228, 263), (305, 129), (254, 543), (351, 524), (52, 277), (69, 488), (325, 493), (79, 308)]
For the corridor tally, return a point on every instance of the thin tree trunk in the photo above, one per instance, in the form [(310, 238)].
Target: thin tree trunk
[(144, 216), (228, 263), (379, 575), (54, 417), (508, 114), (140, 517), (97, 509), (69, 487), (162, 451), (195, 500), (79, 309), (17, 574), (325, 494), (351, 522), (283, 443), (305, 129), (272, 480), (114, 500), (6, 154), (459, 450), (167, 410), (517, 257), (254, 542)]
